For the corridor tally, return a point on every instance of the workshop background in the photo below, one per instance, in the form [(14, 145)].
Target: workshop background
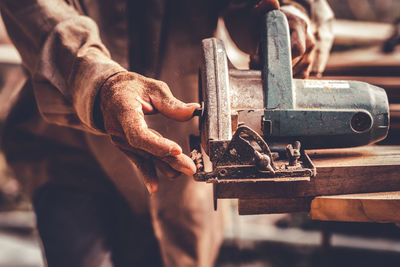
[(365, 49)]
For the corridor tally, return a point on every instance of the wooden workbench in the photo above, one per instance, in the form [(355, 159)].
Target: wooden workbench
[(380, 207), (339, 172)]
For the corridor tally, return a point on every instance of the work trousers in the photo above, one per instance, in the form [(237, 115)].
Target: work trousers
[(91, 204), (83, 228)]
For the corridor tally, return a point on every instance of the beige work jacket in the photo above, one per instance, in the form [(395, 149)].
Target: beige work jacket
[(70, 48)]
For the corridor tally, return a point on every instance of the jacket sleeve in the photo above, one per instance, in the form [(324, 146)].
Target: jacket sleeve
[(320, 17), (65, 57)]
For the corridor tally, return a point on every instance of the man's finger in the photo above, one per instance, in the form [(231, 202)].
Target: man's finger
[(141, 137), (298, 43), (164, 169), (171, 166), (149, 176), (303, 68), (264, 6), (167, 104), (147, 169), (181, 163)]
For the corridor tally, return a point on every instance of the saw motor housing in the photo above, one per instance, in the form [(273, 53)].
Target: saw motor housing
[(255, 124)]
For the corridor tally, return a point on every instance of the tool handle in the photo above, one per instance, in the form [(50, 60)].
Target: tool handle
[(277, 62)]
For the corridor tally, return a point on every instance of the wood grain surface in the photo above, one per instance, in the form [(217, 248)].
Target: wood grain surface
[(339, 171), (373, 207), (273, 205)]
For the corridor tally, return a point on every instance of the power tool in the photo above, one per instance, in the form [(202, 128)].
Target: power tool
[(256, 124)]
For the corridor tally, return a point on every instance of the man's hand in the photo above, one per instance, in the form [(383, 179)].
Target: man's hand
[(245, 26), (302, 42), (124, 100), (301, 38)]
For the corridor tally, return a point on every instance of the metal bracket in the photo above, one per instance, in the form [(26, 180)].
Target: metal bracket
[(248, 156)]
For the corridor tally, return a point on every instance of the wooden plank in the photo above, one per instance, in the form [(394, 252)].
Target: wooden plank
[(339, 171), (373, 155), (371, 58), (372, 207), (350, 32), (273, 205)]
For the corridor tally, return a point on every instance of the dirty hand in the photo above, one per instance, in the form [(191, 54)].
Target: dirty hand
[(301, 37), (239, 21), (124, 100), (303, 43)]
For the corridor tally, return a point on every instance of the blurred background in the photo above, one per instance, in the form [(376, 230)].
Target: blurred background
[(367, 49)]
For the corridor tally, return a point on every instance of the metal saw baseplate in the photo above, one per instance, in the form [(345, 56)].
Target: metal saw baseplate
[(248, 157)]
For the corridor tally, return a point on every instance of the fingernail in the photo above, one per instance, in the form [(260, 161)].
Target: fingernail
[(175, 151), (148, 187), (192, 105), (190, 170), (151, 188)]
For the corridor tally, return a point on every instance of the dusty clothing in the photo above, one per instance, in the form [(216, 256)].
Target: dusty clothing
[(110, 234), (52, 133)]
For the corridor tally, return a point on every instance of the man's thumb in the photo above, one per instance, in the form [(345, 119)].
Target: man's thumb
[(174, 108), (263, 6)]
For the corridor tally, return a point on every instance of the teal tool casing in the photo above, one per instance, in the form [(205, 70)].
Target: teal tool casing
[(319, 113), (255, 124)]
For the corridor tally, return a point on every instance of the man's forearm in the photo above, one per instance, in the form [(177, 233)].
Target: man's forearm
[(64, 55)]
